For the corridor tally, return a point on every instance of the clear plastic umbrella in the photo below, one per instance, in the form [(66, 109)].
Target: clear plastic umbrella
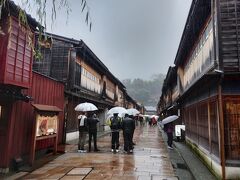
[(169, 119), (154, 116), (120, 110), (141, 115), (86, 107), (133, 111)]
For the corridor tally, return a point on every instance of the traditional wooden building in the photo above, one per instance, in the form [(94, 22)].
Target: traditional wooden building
[(120, 95), (140, 107), (208, 75), (130, 102), (167, 104), (20, 87), (150, 110), (86, 78)]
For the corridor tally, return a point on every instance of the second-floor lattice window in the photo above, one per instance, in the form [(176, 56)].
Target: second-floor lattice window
[(90, 81), (78, 75), (201, 59)]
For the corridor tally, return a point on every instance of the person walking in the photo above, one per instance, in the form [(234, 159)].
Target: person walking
[(149, 121), (83, 129), (153, 121), (169, 128), (141, 121), (92, 132), (134, 126), (115, 125), (128, 126)]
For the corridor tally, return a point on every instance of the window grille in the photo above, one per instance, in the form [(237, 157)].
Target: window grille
[(77, 75), (232, 128), (214, 128)]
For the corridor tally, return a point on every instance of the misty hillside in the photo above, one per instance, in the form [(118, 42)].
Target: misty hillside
[(145, 91)]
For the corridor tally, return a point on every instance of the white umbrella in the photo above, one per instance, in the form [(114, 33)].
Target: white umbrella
[(155, 116), (132, 111), (169, 119), (86, 107), (120, 110), (119, 115)]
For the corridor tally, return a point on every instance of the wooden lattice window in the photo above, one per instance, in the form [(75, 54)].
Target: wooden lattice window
[(77, 75), (191, 123), (214, 128), (232, 128), (203, 134)]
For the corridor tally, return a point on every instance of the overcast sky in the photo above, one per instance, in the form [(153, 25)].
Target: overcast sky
[(133, 38)]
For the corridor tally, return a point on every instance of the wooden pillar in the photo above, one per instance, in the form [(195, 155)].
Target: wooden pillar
[(197, 122), (209, 127), (219, 64), (9, 136), (221, 128), (33, 141)]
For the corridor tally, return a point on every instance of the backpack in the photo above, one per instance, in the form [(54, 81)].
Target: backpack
[(114, 123)]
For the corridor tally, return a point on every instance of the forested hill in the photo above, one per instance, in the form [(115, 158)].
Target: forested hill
[(147, 92)]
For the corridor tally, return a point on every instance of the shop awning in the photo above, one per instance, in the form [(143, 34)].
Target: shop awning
[(42, 107)]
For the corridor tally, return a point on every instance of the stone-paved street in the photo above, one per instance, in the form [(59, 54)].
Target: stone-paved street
[(150, 160)]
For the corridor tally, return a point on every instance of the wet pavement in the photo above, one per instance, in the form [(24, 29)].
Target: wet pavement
[(149, 161)]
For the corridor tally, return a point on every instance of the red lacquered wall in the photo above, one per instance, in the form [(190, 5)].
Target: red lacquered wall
[(44, 91)]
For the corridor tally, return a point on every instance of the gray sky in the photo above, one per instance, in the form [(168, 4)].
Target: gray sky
[(133, 38)]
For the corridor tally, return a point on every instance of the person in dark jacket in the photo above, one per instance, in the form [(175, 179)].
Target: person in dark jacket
[(128, 126), (83, 129), (115, 125), (169, 128), (92, 131), (132, 133)]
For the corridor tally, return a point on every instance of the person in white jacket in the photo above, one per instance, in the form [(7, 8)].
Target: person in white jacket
[(83, 131)]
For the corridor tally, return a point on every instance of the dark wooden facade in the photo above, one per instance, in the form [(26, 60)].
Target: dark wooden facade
[(169, 93), (208, 73), (229, 35), (85, 77), (55, 57), (168, 104), (200, 116)]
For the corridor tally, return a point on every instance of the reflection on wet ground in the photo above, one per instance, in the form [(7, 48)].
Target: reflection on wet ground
[(150, 160)]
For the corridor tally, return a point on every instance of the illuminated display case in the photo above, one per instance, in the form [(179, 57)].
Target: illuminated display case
[(45, 126)]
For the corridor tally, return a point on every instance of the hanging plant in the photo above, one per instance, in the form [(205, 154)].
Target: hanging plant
[(40, 6)]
